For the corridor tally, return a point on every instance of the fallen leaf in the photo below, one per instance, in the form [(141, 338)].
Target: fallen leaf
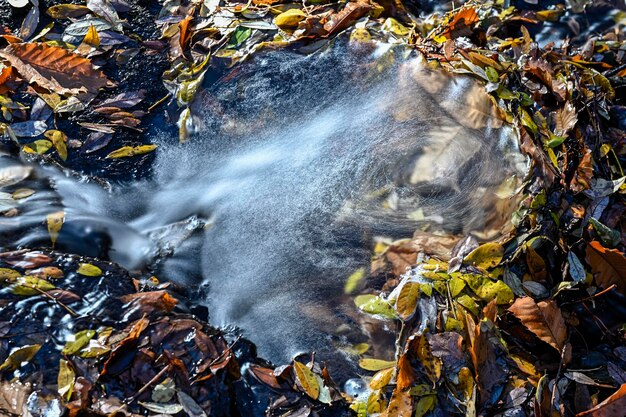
[(375, 364), (59, 140), (151, 300), (461, 24), (613, 406), (307, 380), (54, 68), (352, 11), (407, 300), (80, 340), (19, 356), (55, 222), (382, 378), (30, 285), (486, 256), (65, 379), (544, 319), (128, 151), (400, 405), (89, 270), (608, 266)]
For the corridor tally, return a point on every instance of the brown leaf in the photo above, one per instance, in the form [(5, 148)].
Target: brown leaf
[(147, 302), (53, 68), (353, 11), (544, 319), (400, 404), (185, 32), (461, 24), (122, 356), (406, 376), (265, 376), (613, 406), (608, 266), (565, 119), (583, 173)]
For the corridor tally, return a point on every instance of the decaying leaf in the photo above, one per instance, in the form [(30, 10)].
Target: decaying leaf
[(407, 300), (613, 406), (19, 356), (65, 380), (55, 222)]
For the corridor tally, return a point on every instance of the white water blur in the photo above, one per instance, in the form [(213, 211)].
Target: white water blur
[(288, 163)]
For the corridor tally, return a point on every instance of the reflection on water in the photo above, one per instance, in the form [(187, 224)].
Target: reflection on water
[(297, 162)]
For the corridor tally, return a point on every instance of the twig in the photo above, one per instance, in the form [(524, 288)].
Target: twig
[(141, 390)]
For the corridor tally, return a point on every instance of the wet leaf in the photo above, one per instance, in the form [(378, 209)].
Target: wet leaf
[(400, 405), (288, 20), (190, 406), (19, 356), (307, 380), (376, 364), (54, 68), (22, 193), (373, 304), (461, 23), (353, 281), (576, 269), (59, 140), (66, 11), (128, 151), (91, 37), (65, 380), (424, 405), (80, 340), (544, 319), (353, 11), (382, 378), (55, 222), (7, 274), (30, 285), (89, 270), (486, 256), (39, 146), (151, 300), (407, 300)]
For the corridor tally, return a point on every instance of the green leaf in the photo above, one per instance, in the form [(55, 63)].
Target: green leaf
[(239, 36), (89, 270), (30, 285), (456, 286), (373, 304), (353, 281), (492, 74), (19, 356), (80, 340)]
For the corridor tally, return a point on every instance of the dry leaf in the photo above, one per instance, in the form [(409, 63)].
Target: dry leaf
[(608, 266), (544, 319), (307, 380)]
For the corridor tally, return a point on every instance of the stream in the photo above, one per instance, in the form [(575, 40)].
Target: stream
[(296, 164)]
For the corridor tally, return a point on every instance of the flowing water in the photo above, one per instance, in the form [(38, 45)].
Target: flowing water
[(296, 163)]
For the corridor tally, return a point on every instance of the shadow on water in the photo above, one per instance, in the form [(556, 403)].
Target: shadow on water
[(295, 164)]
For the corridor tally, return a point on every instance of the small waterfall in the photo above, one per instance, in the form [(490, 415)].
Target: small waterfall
[(296, 163)]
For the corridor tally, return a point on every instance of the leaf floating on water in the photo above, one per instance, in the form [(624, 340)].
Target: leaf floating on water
[(7, 274), (55, 222), (376, 364), (81, 339), (486, 256), (89, 270), (40, 146), (307, 380), (65, 379), (353, 281), (22, 193), (30, 285), (19, 356), (373, 304), (128, 151), (190, 406), (382, 378), (59, 140), (66, 11)]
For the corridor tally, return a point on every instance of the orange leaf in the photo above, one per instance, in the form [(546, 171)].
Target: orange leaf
[(151, 300), (405, 377), (544, 319), (613, 406), (53, 68), (353, 11), (461, 24), (400, 405), (608, 266), (185, 33)]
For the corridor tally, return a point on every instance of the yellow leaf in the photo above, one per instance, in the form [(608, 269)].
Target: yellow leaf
[(55, 222), (81, 339), (19, 356), (407, 300), (353, 280), (424, 405), (92, 38), (376, 364), (373, 304), (456, 286), (486, 256), (30, 285), (65, 380), (307, 380), (381, 378), (58, 139), (21, 193), (7, 274), (289, 19), (127, 151), (89, 270), (40, 147)]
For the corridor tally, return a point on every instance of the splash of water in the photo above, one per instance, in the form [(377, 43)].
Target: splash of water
[(298, 161)]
